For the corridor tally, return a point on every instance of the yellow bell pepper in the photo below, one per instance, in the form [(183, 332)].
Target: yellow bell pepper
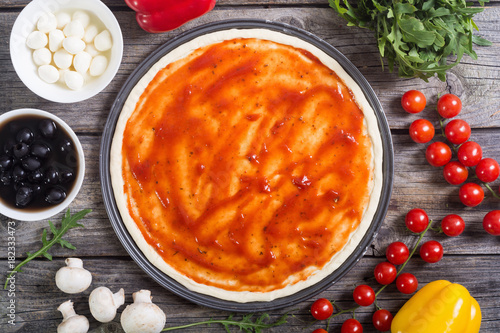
[(439, 307)]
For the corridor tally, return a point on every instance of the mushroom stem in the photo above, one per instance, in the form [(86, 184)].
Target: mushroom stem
[(67, 310), (119, 298), (142, 296), (74, 262)]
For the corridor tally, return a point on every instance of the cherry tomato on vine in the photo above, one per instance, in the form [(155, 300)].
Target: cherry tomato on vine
[(491, 222), (385, 273), (351, 326), (449, 106), (320, 330), (382, 320), (421, 131), (413, 101), (457, 131), (487, 170), (452, 225), (321, 309), (455, 173), (407, 283), (438, 154), (471, 194), (431, 251), (397, 253), (470, 153), (363, 295), (416, 220)]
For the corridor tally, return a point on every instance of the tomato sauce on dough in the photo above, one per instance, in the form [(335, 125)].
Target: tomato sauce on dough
[(247, 165)]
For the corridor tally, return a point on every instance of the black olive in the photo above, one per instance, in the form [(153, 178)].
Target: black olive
[(24, 195), (51, 175), (66, 146), (55, 195), (20, 150), (8, 147), (36, 176), (6, 178), (37, 189), (5, 163), (25, 135), (31, 163), (40, 150), (18, 174), (65, 176), (48, 128)]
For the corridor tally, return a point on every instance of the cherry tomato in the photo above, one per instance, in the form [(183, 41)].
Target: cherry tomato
[(321, 309), (407, 283), (416, 220), (487, 170), (471, 194), (431, 251), (438, 154), (455, 173), (421, 131), (449, 106), (320, 330), (397, 253), (470, 153), (363, 295), (385, 273), (457, 131), (491, 222), (413, 101), (351, 326), (382, 320), (452, 225)]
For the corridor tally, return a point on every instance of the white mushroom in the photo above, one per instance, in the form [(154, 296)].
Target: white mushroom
[(72, 323), (142, 316), (73, 278), (103, 303)]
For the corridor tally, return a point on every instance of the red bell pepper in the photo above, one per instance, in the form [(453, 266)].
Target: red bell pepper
[(164, 15)]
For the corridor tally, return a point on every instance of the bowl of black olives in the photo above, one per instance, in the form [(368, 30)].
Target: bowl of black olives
[(41, 164)]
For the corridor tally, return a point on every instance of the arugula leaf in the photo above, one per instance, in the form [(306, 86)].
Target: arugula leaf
[(419, 36), (68, 222)]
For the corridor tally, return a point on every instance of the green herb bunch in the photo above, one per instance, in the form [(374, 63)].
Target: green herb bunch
[(417, 36)]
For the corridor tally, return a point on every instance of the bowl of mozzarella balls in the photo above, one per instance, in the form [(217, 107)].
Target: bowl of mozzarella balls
[(66, 51)]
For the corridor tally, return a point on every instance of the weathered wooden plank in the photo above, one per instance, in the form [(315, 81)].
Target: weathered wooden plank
[(476, 82), (37, 297), (416, 183)]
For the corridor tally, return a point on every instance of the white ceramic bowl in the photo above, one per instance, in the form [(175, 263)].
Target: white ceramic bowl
[(44, 213), (22, 56)]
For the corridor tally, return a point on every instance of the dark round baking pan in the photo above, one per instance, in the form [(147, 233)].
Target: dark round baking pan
[(168, 282)]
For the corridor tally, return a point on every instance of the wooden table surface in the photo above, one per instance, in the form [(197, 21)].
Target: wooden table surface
[(471, 259)]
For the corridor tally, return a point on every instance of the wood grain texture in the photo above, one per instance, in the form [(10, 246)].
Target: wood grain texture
[(471, 259)]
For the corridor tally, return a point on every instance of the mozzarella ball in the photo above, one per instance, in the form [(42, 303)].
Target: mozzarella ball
[(98, 65), (56, 38), (48, 73), (62, 72), (74, 80), (103, 41), (90, 33), (63, 59), (46, 23), (83, 17), (81, 62), (90, 49), (73, 45), (42, 56), (74, 29), (63, 19), (37, 40)]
